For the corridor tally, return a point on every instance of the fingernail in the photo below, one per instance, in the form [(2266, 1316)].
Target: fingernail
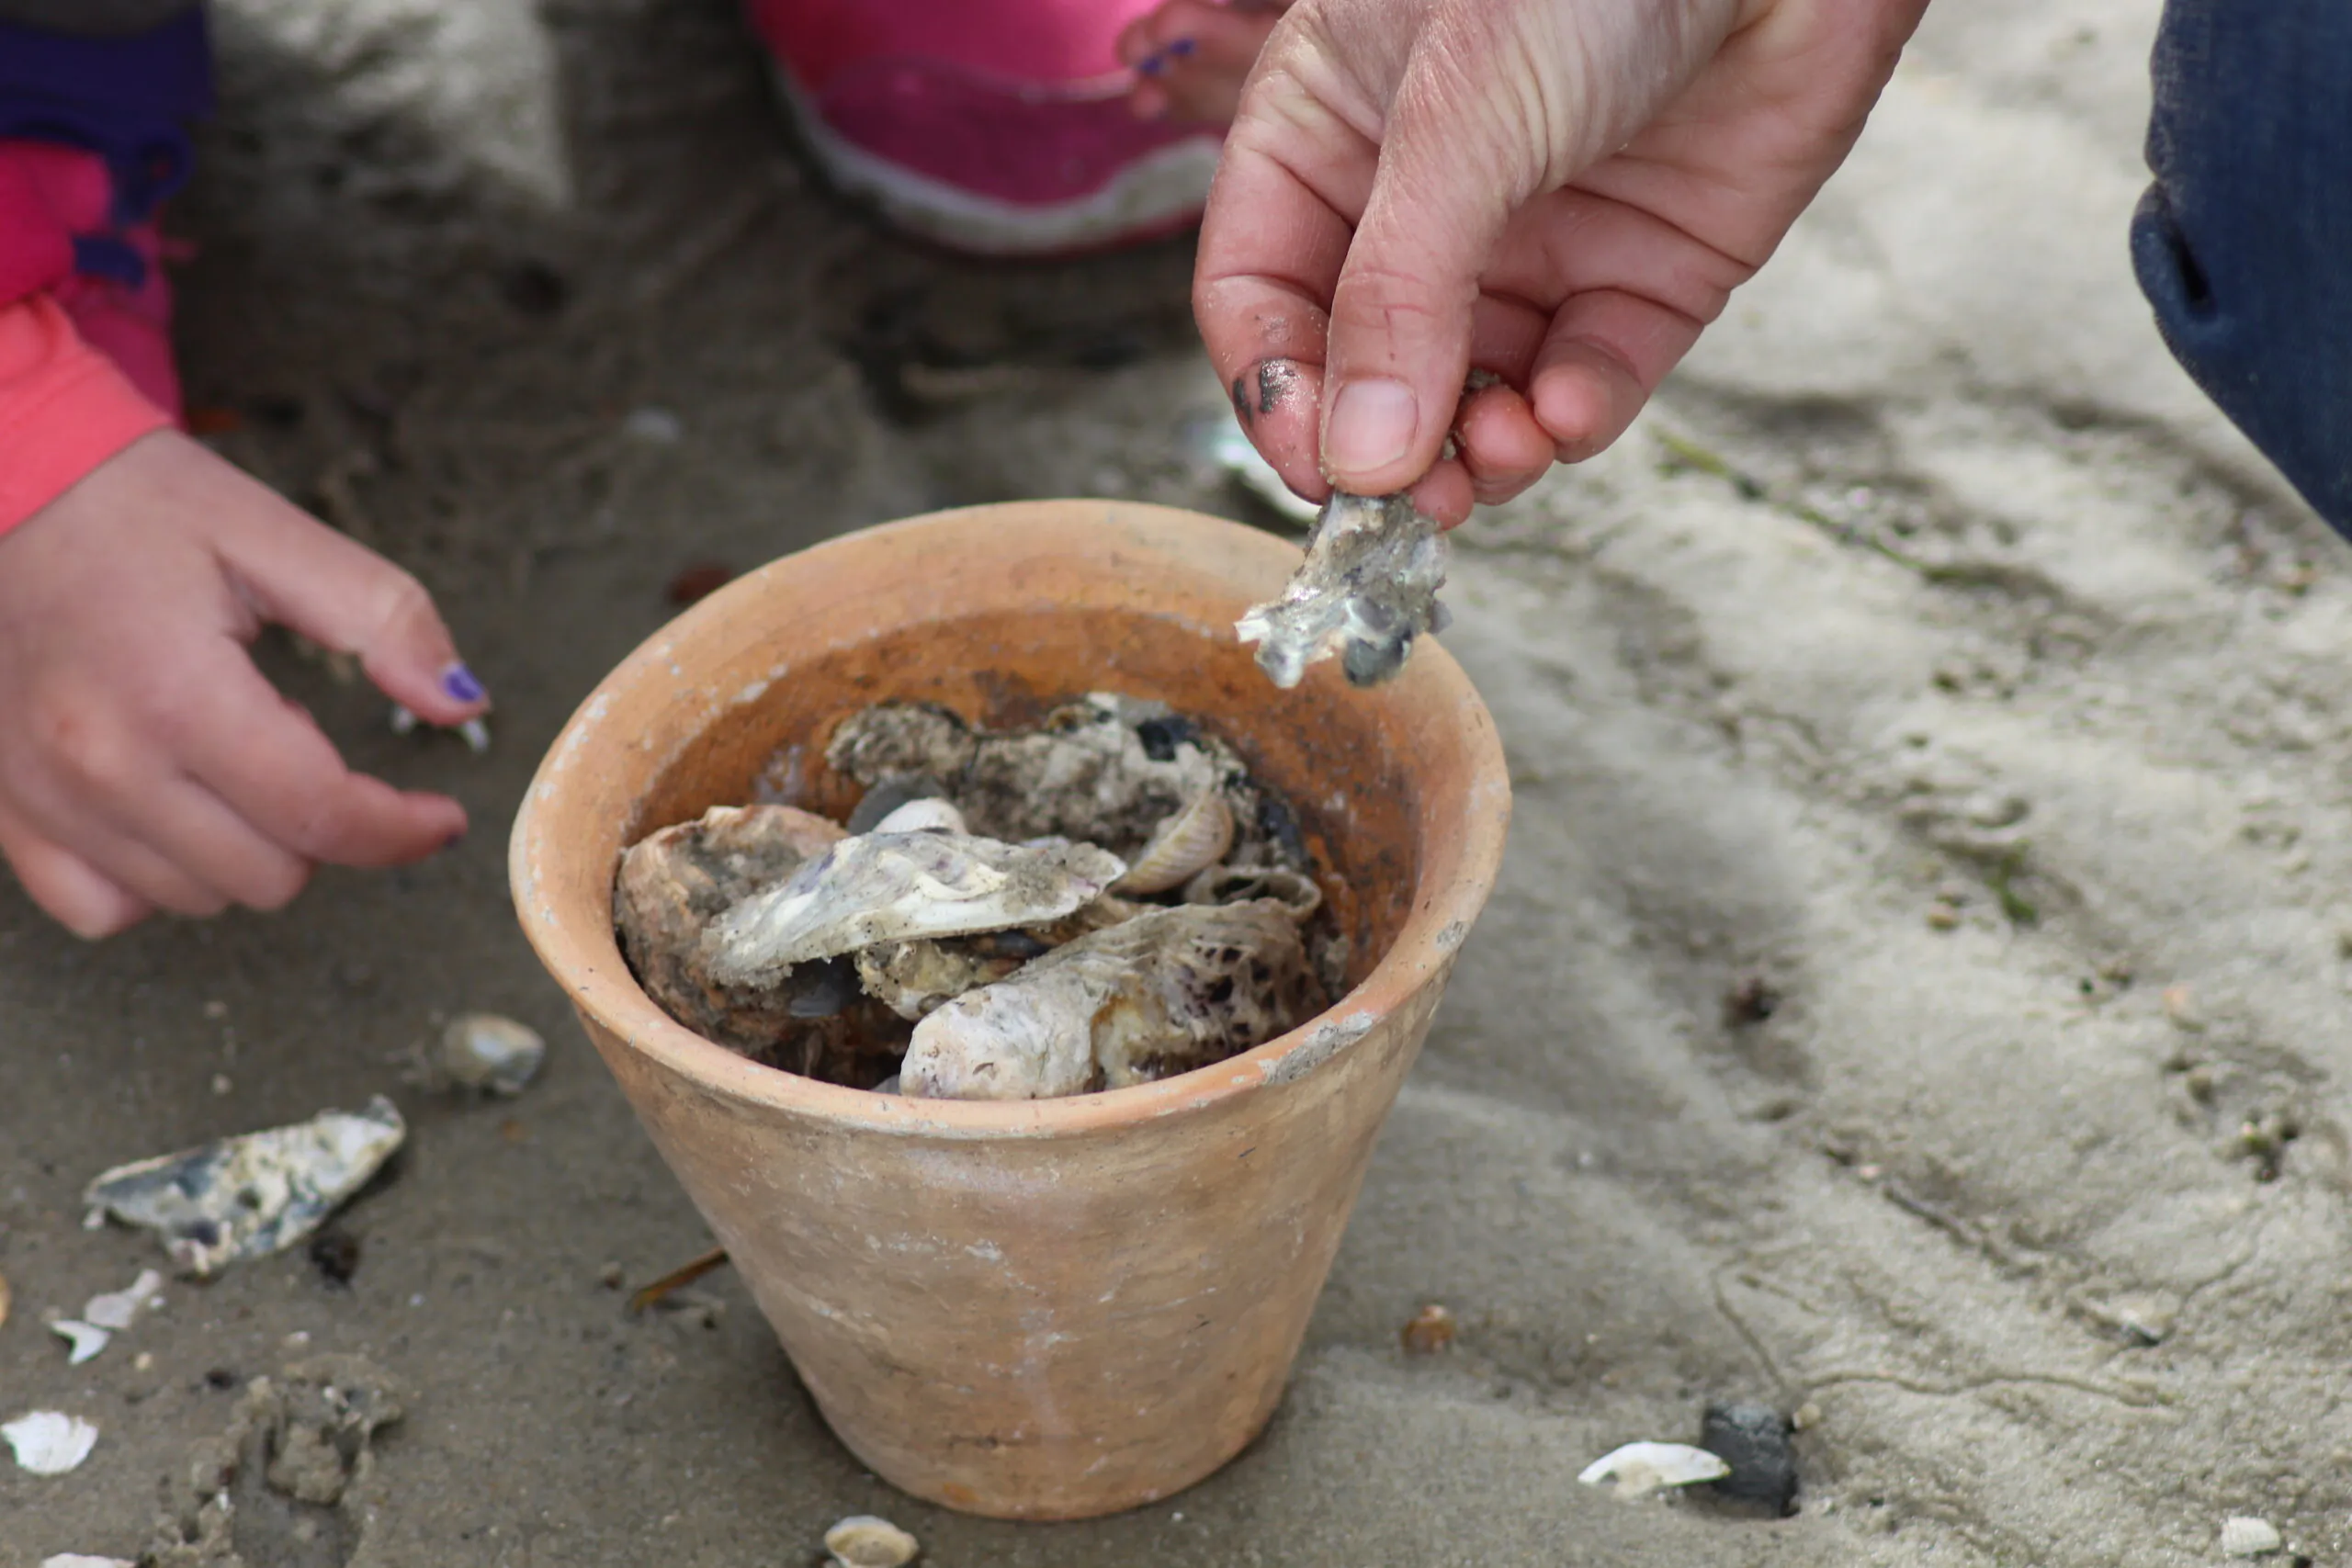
[(1372, 425), (1152, 64), (1182, 49), (459, 684)]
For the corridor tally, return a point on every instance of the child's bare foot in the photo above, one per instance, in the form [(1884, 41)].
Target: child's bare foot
[(1191, 56)]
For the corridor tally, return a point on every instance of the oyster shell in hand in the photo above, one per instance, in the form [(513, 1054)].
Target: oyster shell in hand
[(1367, 589)]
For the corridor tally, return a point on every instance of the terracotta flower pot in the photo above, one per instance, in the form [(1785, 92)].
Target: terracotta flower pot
[(1062, 1308)]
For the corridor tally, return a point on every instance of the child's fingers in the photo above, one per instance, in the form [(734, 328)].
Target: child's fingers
[(198, 831), (271, 765), (77, 895), (344, 596)]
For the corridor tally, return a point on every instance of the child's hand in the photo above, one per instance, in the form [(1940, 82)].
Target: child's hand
[(145, 763), (1193, 56)]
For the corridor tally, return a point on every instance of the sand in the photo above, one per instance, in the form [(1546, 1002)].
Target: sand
[(1930, 659)]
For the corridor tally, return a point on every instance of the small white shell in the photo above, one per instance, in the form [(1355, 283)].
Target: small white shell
[(119, 1309), (83, 1559), (49, 1442), (1187, 842), (2245, 1536), (863, 1540), (484, 1050), (929, 814), (87, 1339), (1639, 1469)]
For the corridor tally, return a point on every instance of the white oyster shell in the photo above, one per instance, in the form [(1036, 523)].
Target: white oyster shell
[(900, 887), (1637, 1470), (1165, 992), (50, 1442)]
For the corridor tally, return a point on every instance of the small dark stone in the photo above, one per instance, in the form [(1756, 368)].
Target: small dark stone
[(1752, 1000), (890, 792), (335, 1255), (1161, 737), (1754, 1439), (533, 288), (221, 1378)]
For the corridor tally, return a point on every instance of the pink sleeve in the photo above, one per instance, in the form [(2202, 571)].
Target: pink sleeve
[(64, 408)]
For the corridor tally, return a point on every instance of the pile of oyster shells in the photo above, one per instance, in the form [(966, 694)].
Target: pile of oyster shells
[(1105, 900)]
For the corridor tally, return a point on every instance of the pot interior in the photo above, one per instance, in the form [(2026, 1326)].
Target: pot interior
[(1338, 755)]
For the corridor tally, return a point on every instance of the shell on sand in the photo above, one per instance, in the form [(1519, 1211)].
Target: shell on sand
[(1636, 1470), (1182, 847), (488, 1051), (900, 886), (2245, 1536), (862, 1540), (1163, 993), (50, 1442), (250, 1196)]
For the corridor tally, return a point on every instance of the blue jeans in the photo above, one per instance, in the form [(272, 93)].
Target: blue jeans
[(2244, 245)]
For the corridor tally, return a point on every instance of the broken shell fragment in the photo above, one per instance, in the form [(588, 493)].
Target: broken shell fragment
[(1293, 890), (900, 887), (1105, 770), (119, 1309), (863, 1540), (1170, 990), (673, 882), (83, 1559), (246, 1197), (483, 1050), (900, 738), (84, 1339), (1187, 843), (1428, 1331), (2245, 1536), (1367, 589), (1637, 1470), (50, 1442)]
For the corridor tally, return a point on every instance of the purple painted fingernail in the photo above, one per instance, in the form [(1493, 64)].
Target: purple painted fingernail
[(1152, 64), (459, 683), (1183, 47)]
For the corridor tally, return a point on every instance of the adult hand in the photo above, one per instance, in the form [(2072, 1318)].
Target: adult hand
[(145, 763), (1561, 193)]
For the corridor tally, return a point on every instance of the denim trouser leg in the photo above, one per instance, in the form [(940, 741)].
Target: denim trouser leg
[(2244, 245)]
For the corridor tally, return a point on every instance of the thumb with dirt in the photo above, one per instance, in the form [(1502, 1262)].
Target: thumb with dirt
[(1558, 195), (148, 764)]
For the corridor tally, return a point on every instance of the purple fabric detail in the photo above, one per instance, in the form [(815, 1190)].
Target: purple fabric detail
[(103, 255), (128, 99)]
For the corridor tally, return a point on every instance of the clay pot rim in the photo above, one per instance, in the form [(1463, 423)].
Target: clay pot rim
[(589, 961)]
